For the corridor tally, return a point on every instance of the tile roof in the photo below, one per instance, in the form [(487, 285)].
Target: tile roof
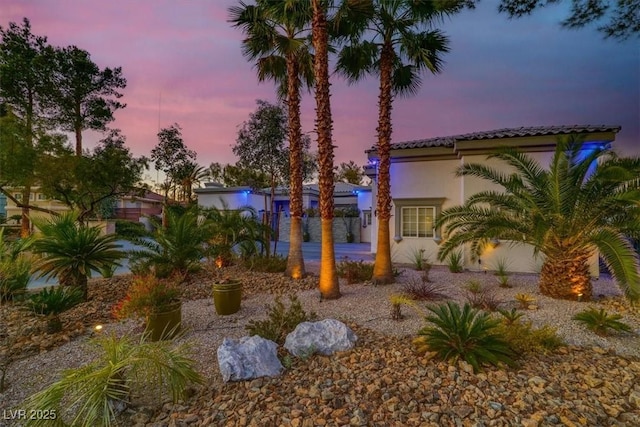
[(448, 141)]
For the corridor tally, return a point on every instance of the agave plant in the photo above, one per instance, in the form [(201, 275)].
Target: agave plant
[(70, 250), (99, 391), (466, 334), (177, 248)]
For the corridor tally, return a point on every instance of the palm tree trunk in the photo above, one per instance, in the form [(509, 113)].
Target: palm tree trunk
[(329, 285), (382, 269), (566, 276), (295, 261)]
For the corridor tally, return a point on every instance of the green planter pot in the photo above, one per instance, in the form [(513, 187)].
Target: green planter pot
[(227, 296), (165, 325)]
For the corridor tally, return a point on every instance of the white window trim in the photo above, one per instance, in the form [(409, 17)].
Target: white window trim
[(431, 235), (427, 202)]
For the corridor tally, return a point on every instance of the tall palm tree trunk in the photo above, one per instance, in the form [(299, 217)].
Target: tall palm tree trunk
[(565, 275), (295, 261), (382, 269), (329, 285)]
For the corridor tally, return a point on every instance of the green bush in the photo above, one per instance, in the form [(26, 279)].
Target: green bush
[(280, 320), (52, 301), (130, 229), (123, 370), (15, 267), (523, 338), (454, 262), (601, 322), (467, 334), (266, 264), (354, 271)]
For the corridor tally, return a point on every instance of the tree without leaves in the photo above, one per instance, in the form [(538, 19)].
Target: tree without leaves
[(278, 38), (85, 97), (621, 20), (392, 39)]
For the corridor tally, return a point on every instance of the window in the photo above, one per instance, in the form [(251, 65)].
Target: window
[(417, 221), (415, 217), (18, 196), (42, 197)]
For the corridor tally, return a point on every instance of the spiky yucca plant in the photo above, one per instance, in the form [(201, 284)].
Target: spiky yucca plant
[(586, 200), (466, 334), (94, 394), (600, 322)]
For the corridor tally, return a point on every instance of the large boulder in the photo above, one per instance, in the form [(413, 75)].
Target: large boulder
[(247, 358), (324, 337)]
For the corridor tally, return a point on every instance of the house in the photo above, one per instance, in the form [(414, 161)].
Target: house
[(345, 196), (423, 183)]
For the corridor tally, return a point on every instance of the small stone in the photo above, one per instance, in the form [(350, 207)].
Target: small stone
[(634, 399), (462, 411)]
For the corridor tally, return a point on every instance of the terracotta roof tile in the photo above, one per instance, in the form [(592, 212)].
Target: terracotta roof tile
[(449, 141)]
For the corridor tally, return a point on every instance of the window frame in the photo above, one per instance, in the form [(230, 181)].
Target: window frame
[(425, 202)]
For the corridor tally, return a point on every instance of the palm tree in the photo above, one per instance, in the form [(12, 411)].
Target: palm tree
[(70, 250), (329, 285), (586, 201), (190, 174), (397, 51), (277, 37), (177, 248)]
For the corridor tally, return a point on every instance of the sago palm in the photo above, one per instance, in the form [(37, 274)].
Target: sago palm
[(278, 38), (586, 201), (70, 250), (393, 41)]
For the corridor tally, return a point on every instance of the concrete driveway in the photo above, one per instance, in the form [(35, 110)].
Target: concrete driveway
[(311, 250)]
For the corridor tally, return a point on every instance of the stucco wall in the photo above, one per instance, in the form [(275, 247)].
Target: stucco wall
[(314, 227)]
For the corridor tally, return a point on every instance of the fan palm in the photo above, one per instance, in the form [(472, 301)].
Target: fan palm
[(587, 201), (399, 49), (70, 250), (278, 38)]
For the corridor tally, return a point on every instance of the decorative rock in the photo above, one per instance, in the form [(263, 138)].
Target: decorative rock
[(634, 399), (324, 337), (248, 358)]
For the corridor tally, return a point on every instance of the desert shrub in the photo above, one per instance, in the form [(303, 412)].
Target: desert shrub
[(267, 264), (421, 290), (523, 338), (15, 267), (510, 317), (524, 300), (419, 260), (481, 297), (123, 370), (280, 320), (467, 334), (454, 262), (601, 322), (397, 301), (500, 270), (354, 271)]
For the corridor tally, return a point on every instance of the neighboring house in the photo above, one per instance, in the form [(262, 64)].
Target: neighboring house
[(345, 196), (136, 207), (423, 183), (3, 206), (36, 198)]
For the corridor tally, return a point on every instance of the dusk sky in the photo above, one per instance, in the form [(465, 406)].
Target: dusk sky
[(183, 64)]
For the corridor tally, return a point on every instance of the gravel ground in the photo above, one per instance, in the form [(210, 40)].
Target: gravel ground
[(594, 381)]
